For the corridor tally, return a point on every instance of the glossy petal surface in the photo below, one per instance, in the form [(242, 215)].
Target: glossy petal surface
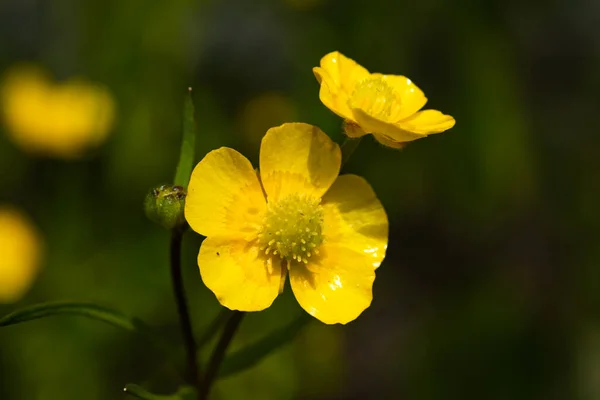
[(336, 286), (298, 158), (224, 196), (343, 71), (355, 218), (239, 274)]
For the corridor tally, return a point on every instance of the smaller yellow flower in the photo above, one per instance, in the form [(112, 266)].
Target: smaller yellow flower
[(297, 216), (385, 105), (19, 254), (57, 119)]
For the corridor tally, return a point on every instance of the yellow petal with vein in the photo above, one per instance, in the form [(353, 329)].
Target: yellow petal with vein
[(224, 196), (239, 274), (331, 95), (298, 158), (355, 218), (344, 71)]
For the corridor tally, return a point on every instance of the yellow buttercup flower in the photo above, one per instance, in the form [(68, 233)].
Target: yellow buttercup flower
[(385, 105), (297, 215), (56, 119), (19, 254)]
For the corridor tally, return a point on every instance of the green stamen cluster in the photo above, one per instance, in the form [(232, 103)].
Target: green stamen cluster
[(292, 228)]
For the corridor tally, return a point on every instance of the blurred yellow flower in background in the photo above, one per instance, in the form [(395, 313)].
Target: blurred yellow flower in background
[(386, 106), (264, 111), (20, 254), (56, 119), (329, 232)]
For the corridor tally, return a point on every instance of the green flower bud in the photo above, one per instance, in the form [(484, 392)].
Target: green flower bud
[(165, 204)]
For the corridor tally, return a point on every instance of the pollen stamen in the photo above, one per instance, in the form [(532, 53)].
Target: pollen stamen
[(292, 228), (375, 97)]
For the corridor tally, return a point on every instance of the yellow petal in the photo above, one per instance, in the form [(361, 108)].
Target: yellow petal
[(355, 218), (239, 274), (331, 95), (390, 130), (298, 158), (384, 140), (335, 287), (411, 98), (427, 122), (343, 71), (224, 196)]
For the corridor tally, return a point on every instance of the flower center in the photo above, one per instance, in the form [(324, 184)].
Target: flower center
[(292, 228), (375, 97)]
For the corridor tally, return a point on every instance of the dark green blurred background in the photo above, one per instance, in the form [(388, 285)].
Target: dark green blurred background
[(490, 289)]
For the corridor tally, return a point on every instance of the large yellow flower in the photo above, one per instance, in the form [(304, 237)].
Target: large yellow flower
[(298, 216), (385, 105)]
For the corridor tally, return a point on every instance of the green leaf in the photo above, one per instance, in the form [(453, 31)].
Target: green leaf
[(188, 143), (92, 311), (251, 355), (184, 393), (84, 309)]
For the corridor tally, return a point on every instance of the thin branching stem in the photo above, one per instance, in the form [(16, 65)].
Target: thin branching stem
[(218, 354), (213, 327)]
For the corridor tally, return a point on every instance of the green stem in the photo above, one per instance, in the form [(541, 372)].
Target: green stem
[(219, 352), (348, 148), (193, 370), (214, 327)]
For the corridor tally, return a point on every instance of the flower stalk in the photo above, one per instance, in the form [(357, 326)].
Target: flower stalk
[(218, 354), (192, 369)]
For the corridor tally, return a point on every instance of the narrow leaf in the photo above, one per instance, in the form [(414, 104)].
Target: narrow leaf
[(92, 311), (88, 310), (188, 143), (184, 393), (251, 355)]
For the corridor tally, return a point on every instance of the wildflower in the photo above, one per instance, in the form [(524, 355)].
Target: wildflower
[(20, 254), (296, 216), (385, 105), (56, 119)]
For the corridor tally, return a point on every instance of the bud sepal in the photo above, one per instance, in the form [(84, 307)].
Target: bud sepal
[(165, 205)]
